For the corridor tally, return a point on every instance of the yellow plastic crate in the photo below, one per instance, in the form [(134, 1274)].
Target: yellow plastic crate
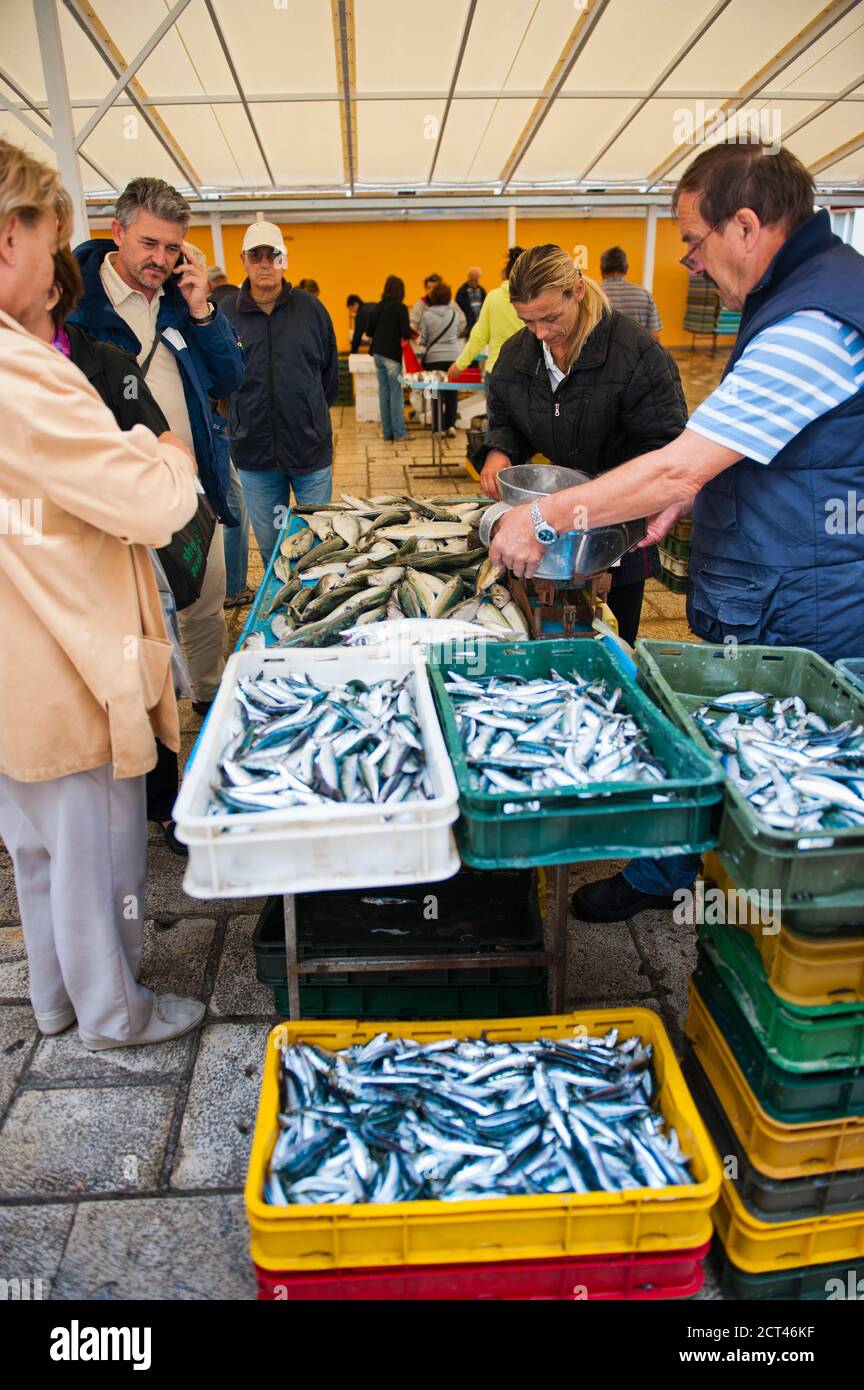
[(509, 1228), (805, 970), (778, 1150), (761, 1247)]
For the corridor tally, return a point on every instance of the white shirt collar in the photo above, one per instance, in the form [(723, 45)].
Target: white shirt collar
[(552, 367), (116, 287)]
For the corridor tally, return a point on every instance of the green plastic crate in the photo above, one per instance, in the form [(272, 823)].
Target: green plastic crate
[(678, 548), (609, 821), (828, 1037), (789, 1097), (811, 1284), (678, 584), (769, 1199), (410, 1000), (806, 869), (852, 667)]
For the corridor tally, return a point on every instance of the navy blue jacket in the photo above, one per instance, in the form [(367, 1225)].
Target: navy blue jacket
[(766, 565), (280, 417), (211, 364)]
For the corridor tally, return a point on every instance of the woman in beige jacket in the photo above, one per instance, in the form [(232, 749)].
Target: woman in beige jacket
[(84, 656)]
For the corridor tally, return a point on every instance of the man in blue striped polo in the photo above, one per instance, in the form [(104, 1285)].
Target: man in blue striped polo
[(767, 462)]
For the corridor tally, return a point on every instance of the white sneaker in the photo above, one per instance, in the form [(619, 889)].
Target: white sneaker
[(451, 433), (172, 1017), (55, 1022)]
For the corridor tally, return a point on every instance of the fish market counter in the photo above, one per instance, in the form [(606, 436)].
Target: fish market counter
[(325, 767)]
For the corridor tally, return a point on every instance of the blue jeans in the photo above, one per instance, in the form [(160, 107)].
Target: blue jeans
[(390, 398), (236, 539), (663, 876), (268, 497)]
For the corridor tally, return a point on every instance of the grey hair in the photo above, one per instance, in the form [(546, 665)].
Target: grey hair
[(154, 196)]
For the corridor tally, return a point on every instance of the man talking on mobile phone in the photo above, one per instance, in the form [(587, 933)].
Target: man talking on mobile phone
[(148, 294)]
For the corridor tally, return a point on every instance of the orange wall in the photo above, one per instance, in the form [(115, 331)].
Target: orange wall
[(356, 257)]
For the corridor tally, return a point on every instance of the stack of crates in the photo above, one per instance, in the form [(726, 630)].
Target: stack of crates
[(634, 1244), (776, 1065), (775, 1053), (675, 556), (473, 912)]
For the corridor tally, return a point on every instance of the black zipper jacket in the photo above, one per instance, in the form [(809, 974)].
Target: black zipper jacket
[(280, 417), (621, 398)]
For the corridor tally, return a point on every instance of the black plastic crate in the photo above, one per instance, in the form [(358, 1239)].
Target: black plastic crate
[(811, 1283)]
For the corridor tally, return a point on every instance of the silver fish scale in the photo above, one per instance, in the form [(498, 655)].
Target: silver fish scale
[(565, 733), (302, 744), (394, 1121), (798, 772)]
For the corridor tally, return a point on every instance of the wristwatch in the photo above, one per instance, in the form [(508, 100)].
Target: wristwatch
[(545, 533), (208, 318)]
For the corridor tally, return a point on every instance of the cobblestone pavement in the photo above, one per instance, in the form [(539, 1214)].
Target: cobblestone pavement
[(121, 1173)]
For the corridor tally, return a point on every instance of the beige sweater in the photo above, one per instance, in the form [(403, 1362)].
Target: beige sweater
[(84, 656)]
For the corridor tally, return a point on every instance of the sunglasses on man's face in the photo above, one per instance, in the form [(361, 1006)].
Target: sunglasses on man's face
[(259, 254)]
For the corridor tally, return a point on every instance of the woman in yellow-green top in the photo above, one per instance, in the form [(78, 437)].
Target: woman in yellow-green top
[(498, 321)]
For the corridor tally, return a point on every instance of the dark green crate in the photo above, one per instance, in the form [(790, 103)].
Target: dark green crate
[(678, 584), (827, 1037), (789, 1097), (678, 549), (611, 820), (417, 1001), (476, 912), (770, 1199), (808, 1285), (805, 869), (852, 667)]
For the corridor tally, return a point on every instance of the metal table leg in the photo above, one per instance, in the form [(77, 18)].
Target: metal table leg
[(558, 931), (289, 904)]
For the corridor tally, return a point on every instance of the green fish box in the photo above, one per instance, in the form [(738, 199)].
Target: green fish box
[(810, 1284), (788, 1097), (819, 874), (407, 997), (827, 1037), (608, 820)]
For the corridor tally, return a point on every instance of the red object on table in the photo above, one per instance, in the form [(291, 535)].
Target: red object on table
[(666, 1274), (470, 374), (409, 357)]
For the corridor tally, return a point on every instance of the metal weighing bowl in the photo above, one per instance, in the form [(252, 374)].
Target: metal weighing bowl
[(577, 555)]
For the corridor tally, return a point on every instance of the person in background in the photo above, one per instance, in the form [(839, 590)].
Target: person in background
[(470, 296), (220, 287), (311, 287), (360, 311), (279, 423), (147, 294), (634, 301), (422, 303), (90, 682), (442, 329), (389, 328), (498, 321), (111, 372), (584, 386)]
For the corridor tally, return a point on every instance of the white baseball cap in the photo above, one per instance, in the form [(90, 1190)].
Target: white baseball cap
[(264, 234)]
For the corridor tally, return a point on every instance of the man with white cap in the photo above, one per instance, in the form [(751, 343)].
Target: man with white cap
[(281, 436)]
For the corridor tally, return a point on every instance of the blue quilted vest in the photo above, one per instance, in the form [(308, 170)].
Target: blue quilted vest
[(770, 563)]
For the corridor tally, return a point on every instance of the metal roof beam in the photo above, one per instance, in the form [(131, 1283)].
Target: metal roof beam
[(126, 76), (579, 36), (288, 98), (670, 67), (809, 35), (27, 103), (826, 106), (469, 20), (89, 22), (238, 84), (343, 35), (850, 147)]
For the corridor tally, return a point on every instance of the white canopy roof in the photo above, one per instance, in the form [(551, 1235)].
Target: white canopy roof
[(460, 103)]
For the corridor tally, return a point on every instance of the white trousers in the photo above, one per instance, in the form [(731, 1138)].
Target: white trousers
[(202, 626), (79, 850)]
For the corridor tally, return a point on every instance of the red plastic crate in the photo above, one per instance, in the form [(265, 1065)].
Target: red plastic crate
[(675, 1274)]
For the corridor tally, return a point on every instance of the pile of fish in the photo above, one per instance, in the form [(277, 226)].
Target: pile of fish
[(387, 558), (398, 1121), (796, 770), (304, 744), (535, 735)]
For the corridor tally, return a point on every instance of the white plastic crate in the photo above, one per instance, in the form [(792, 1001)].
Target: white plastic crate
[(309, 849)]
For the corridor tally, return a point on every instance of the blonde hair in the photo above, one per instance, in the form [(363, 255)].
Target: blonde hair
[(29, 188), (542, 269)]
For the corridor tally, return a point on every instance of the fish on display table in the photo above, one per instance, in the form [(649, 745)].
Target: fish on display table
[(394, 1120), (796, 770), (537, 735)]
